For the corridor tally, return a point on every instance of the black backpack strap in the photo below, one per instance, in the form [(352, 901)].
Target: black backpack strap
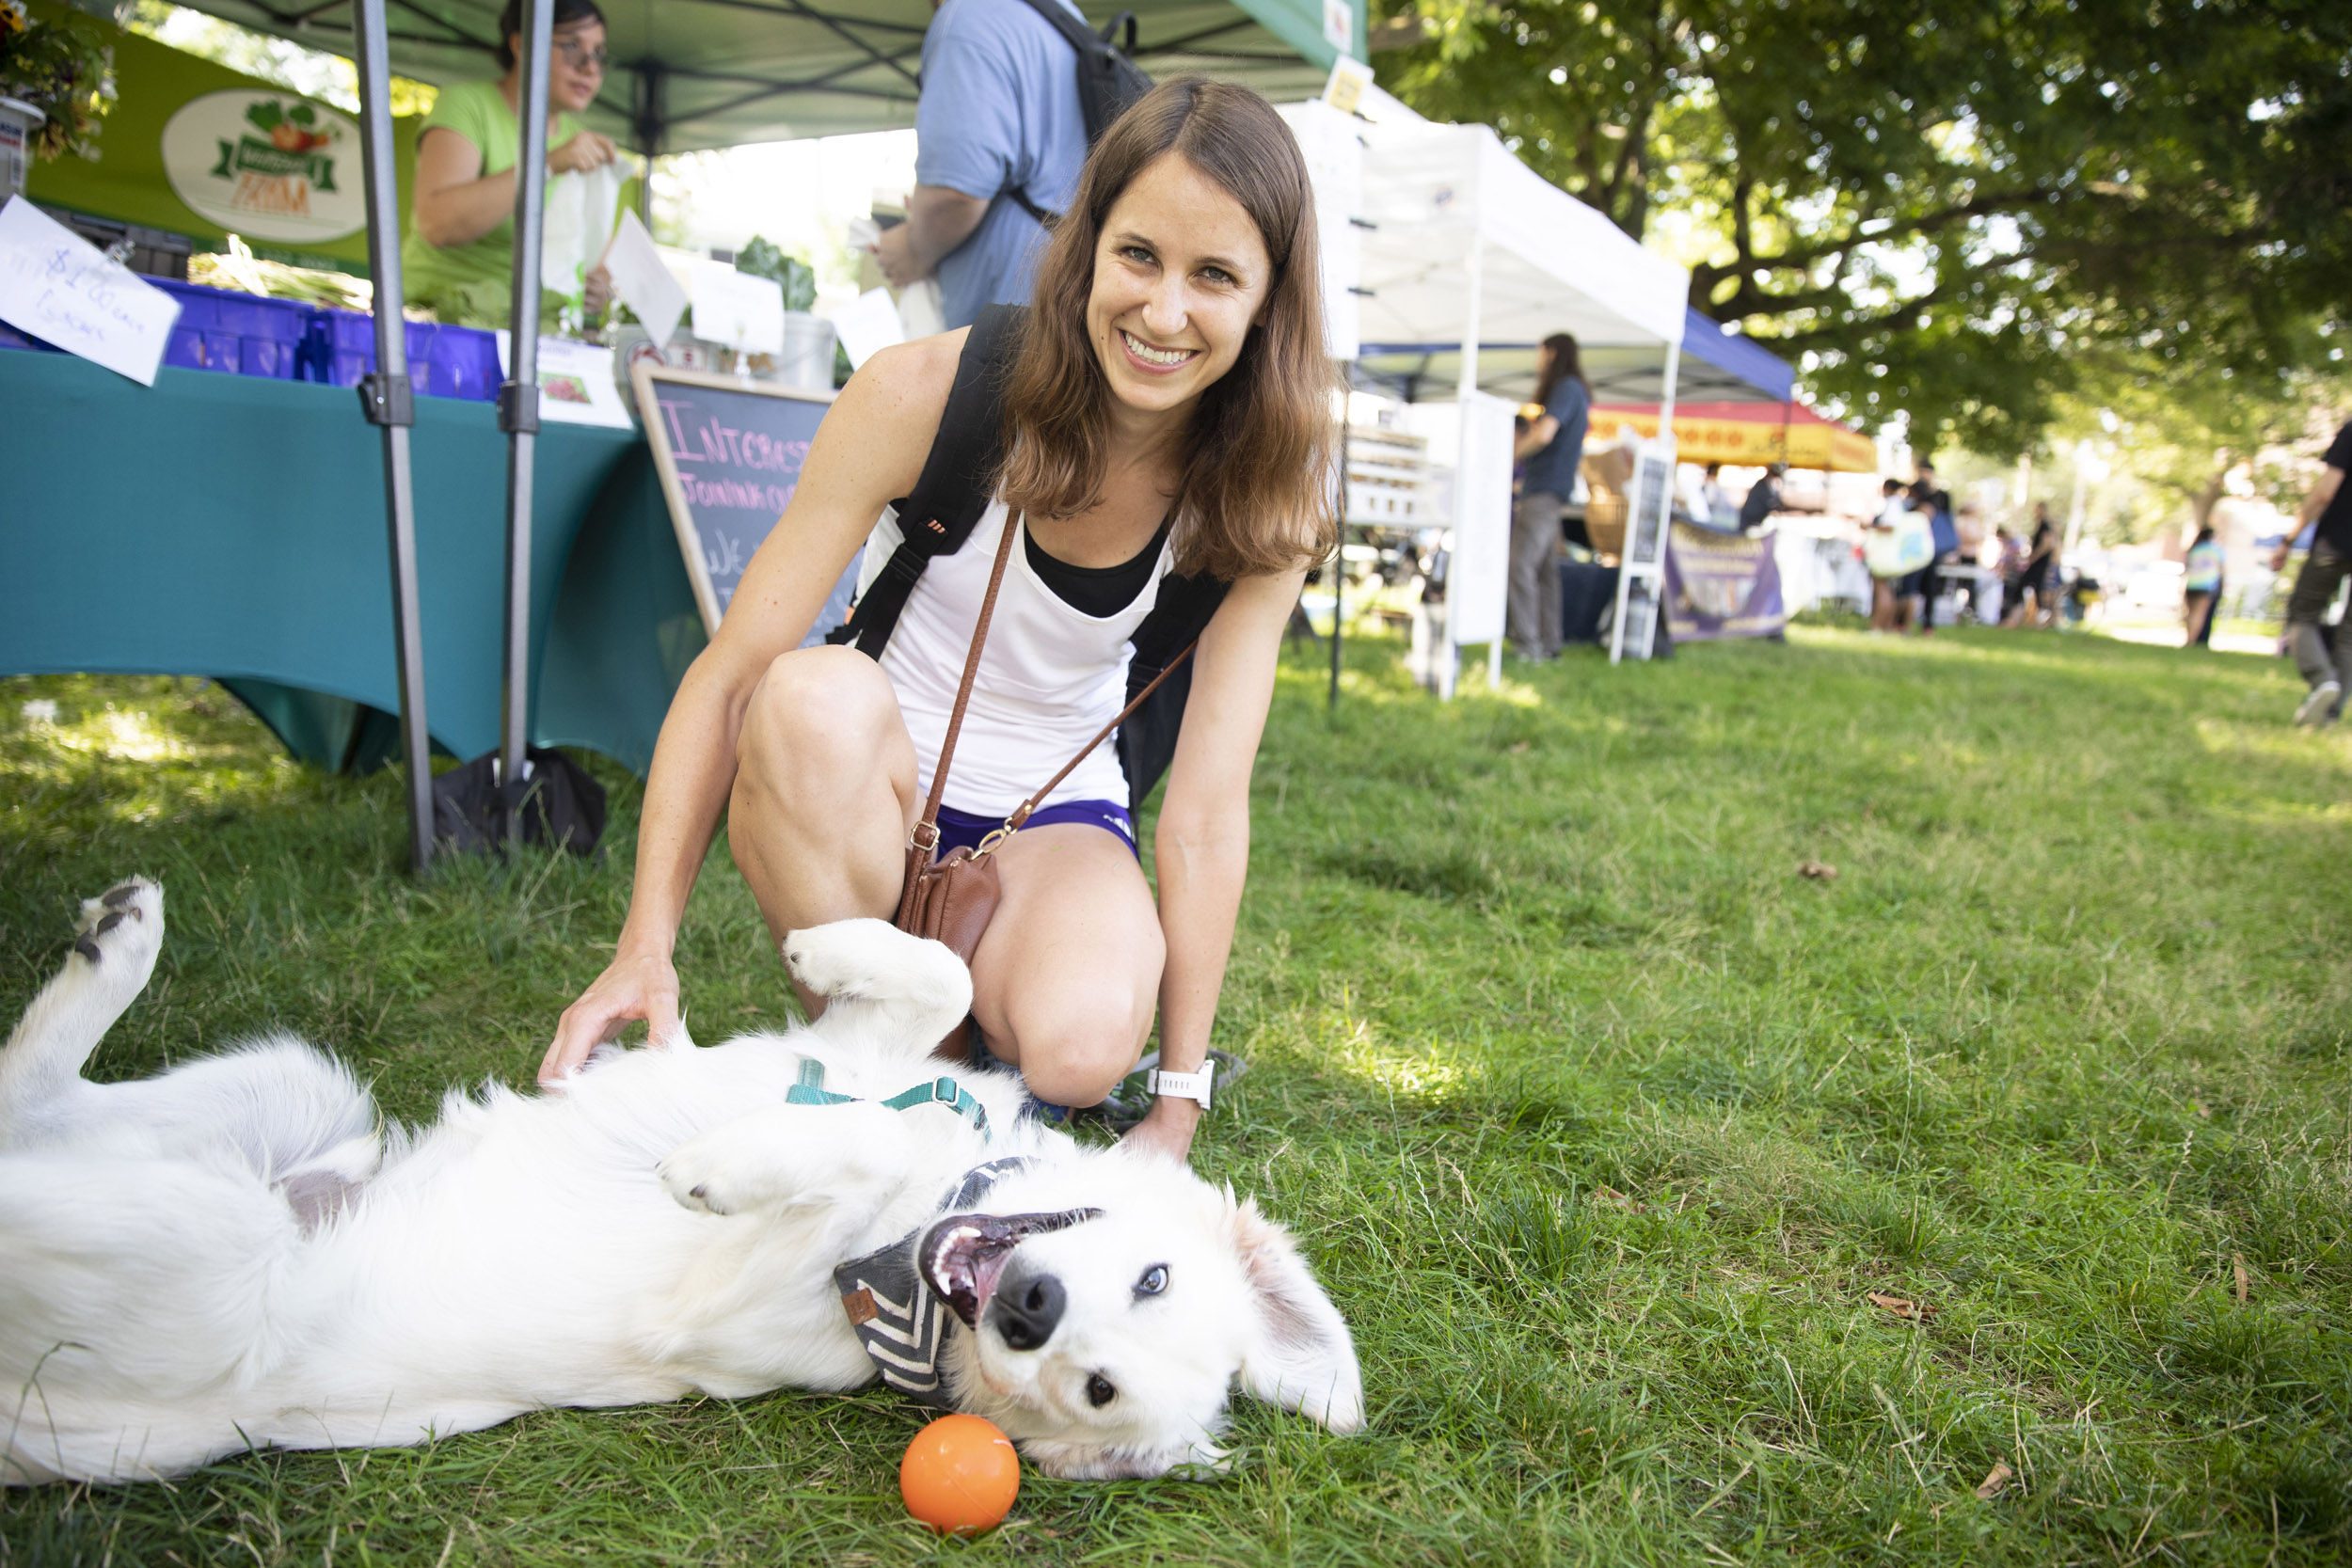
[(1046, 217), (958, 477), (1147, 741)]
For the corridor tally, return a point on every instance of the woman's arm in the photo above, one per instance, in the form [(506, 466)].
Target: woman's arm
[(868, 450), (454, 203), (1534, 438), (1201, 846)]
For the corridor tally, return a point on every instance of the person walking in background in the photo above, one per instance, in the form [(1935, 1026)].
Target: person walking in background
[(999, 139), (1895, 507), (2008, 566), (1763, 499), (2035, 595), (1712, 497), (1937, 504), (1550, 449), (2200, 589), (2328, 510)]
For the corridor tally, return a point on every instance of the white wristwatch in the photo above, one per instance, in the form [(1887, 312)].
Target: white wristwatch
[(1184, 1086)]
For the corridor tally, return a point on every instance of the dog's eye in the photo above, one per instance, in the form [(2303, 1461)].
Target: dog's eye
[(1154, 1280), (1099, 1392)]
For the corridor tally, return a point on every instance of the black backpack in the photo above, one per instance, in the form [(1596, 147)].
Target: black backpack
[(1109, 81), (957, 479)]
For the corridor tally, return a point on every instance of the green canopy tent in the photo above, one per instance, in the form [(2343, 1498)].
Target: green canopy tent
[(689, 75), (692, 74)]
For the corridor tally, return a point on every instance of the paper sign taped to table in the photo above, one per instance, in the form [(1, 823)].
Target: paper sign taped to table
[(58, 287), (737, 310), (868, 324), (643, 281), (576, 384)]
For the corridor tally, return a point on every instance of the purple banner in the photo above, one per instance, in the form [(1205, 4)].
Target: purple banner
[(1722, 585)]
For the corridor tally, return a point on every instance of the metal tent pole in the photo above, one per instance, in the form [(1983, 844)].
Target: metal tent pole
[(385, 400), (1466, 386), (1339, 560), (518, 406)]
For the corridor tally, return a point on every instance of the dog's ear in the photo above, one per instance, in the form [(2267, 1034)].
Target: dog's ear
[(1299, 1355)]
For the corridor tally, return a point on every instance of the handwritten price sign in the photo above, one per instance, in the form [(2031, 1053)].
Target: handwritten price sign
[(56, 286)]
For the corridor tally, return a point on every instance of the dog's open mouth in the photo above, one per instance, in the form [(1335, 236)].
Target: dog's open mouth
[(962, 1256)]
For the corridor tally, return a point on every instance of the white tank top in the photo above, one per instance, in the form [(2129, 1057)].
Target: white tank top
[(1050, 675)]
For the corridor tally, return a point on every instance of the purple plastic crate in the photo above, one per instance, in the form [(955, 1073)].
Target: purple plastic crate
[(239, 334), (443, 361), (11, 337)]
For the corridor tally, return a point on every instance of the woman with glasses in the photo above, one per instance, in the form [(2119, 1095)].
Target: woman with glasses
[(459, 257)]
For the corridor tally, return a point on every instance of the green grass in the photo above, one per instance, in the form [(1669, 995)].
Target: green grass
[(1599, 1121)]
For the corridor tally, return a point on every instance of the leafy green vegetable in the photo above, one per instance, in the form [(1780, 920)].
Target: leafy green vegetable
[(766, 259)]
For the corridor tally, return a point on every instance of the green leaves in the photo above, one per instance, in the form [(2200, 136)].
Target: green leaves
[(1932, 211)]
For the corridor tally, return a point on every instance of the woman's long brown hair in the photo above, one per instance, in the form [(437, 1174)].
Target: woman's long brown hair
[(1254, 495), (1566, 363)]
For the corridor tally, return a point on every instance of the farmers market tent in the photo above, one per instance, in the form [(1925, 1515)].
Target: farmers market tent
[(1716, 366), (689, 74), (1449, 203)]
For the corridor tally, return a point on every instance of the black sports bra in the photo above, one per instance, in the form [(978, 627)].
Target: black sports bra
[(1101, 591)]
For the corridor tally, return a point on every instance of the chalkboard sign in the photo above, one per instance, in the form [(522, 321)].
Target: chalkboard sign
[(730, 454)]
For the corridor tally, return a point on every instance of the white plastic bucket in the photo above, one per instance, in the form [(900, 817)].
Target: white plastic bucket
[(20, 124), (808, 357)]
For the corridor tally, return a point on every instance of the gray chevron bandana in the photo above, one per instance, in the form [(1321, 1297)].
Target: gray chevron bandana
[(901, 1318)]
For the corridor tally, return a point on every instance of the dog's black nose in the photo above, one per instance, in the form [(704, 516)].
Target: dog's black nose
[(1025, 1311)]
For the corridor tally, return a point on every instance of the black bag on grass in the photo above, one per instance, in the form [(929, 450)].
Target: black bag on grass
[(560, 804)]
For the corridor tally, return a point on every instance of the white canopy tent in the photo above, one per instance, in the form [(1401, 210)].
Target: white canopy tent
[(1460, 245)]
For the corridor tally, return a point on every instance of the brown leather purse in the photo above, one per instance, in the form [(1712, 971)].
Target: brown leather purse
[(951, 898)]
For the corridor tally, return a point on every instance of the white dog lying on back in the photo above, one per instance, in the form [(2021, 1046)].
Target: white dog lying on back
[(236, 1253)]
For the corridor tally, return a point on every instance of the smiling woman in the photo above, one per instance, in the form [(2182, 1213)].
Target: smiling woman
[(1167, 415)]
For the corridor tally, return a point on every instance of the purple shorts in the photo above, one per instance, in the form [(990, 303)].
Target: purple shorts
[(963, 830)]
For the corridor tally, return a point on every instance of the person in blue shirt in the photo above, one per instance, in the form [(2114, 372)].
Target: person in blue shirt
[(1551, 447), (999, 139)]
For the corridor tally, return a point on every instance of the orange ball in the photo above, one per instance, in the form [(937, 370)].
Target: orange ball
[(960, 1475)]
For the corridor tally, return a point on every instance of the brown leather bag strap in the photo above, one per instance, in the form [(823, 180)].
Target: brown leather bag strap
[(1021, 812), (925, 834)]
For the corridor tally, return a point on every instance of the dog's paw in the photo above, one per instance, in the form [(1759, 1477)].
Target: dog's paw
[(121, 929), (696, 1174), (850, 957)]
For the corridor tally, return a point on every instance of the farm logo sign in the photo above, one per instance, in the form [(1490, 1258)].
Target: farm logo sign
[(264, 164)]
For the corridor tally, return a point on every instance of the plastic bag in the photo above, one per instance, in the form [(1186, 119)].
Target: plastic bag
[(576, 226)]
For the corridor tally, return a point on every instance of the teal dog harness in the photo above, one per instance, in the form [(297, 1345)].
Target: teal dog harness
[(942, 1091)]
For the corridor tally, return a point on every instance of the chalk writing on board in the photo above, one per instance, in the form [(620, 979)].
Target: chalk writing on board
[(730, 455), (737, 480)]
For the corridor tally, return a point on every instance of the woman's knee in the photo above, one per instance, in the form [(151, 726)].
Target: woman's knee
[(814, 710), (1074, 1046)]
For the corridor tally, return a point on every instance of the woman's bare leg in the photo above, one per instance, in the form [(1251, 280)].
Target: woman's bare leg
[(824, 792), (1066, 979)]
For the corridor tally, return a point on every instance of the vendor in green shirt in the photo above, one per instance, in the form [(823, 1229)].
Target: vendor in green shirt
[(459, 256)]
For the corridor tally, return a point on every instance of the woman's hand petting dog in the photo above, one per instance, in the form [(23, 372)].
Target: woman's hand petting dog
[(1166, 1129), (637, 985)]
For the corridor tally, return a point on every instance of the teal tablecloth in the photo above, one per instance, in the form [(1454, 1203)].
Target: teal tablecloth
[(233, 527)]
